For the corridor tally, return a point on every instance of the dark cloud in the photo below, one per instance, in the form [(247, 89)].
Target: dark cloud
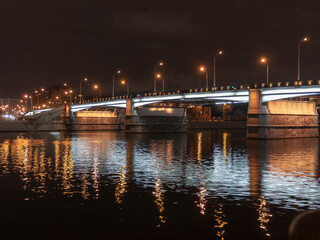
[(155, 22)]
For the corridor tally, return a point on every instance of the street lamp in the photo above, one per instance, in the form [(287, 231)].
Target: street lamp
[(70, 95), (265, 60), (113, 76), (31, 107), (160, 65), (305, 39), (80, 92), (26, 97), (37, 94), (203, 69), (123, 82), (96, 87), (159, 76), (214, 67)]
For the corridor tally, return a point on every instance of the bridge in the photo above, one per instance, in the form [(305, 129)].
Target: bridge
[(270, 115), (224, 94)]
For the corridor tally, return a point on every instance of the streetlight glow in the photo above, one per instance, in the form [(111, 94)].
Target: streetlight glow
[(263, 60), (157, 67), (214, 66), (203, 69), (113, 80), (96, 87), (124, 83), (305, 39)]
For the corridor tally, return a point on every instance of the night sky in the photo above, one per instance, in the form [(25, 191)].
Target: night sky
[(46, 42)]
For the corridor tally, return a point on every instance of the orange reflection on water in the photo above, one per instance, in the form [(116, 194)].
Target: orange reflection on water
[(169, 151), (199, 146), (202, 199), (264, 215), (67, 168), (4, 155), (296, 157), (159, 194), (64, 165), (95, 170), (220, 221), (225, 137), (121, 185)]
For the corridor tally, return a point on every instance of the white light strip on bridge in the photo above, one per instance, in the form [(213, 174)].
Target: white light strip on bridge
[(33, 112), (157, 98), (97, 104), (123, 105), (215, 94), (301, 89), (144, 103), (220, 103), (267, 98), (231, 98)]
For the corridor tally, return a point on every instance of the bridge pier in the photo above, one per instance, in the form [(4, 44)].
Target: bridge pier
[(281, 118), (154, 119)]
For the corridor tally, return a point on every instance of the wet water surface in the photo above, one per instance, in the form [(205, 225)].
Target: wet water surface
[(191, 185)]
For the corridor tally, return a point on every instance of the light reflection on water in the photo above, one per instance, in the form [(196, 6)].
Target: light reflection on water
[(209, 165)]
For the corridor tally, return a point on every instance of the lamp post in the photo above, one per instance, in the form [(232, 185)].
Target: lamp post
[(70, 91), (80, 92), (159, 64), (203, 69), (70, 95), (31, 107), (265, 60), (26, 97), (158, 76), (113, 76), (124, 83), (96, 87), (214, 67), (305, 39), (37, 94)]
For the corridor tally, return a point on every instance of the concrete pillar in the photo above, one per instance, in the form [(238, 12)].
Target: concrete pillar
[(254, 101), (253, 118), (131, 116), (281, 118), (154, 119), (67, 111), (129, 108)]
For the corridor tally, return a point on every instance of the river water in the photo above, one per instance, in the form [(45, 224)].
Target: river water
[(213, 183)]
